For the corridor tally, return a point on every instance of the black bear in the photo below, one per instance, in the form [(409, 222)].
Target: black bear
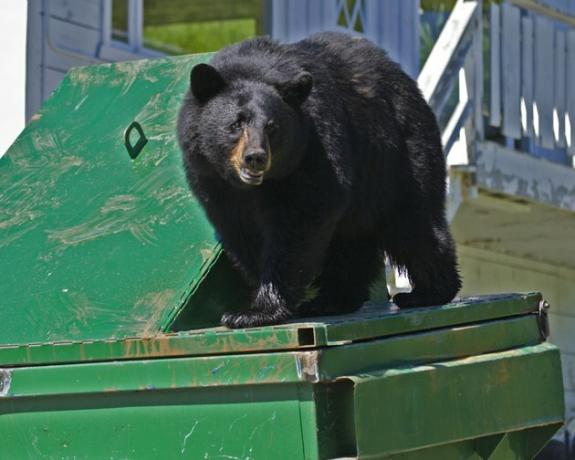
[(313, 160)]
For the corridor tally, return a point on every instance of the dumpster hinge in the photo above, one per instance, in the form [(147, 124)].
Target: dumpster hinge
[(5, 380), (543, 319)]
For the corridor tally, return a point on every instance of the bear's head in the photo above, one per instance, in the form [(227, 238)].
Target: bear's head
[(244, 128)]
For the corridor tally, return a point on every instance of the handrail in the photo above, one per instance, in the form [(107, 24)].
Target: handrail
[(546, 10), (456, 54), (448, 53)]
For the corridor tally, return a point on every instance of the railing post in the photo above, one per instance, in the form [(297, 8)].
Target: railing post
[(473, 72), (478, 52)]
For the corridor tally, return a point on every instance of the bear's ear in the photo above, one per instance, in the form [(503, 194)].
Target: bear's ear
[(206, 82), (296, 91)]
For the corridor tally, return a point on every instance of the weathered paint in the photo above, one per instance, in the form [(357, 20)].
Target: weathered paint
[(323, 364), (162, 374), (225, 422), (506, 171), (528, 203), (424, 347), (94, 244), (373, 321), (466, 310), (457, 400), (424, 386), (386, 409)]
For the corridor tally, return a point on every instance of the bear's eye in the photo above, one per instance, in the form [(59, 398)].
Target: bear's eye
[(271, 127), (236, 126)]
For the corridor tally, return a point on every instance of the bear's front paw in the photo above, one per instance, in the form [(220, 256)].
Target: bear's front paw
[(268, 307), (254, 318)]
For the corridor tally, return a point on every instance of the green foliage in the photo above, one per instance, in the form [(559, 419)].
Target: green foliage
[(183, 26), (437, 5), (429, 32), (161, 12), (198, 37)]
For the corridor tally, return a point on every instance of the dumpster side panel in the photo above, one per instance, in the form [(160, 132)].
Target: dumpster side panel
[(457, 400), (506, 399), (231, 422)]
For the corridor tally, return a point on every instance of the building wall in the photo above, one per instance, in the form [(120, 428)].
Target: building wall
[(13, 88), (391, 24), (64, 34), (61, 34), (486, 272)]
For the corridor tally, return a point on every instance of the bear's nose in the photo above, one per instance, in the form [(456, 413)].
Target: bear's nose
[(256, 160)]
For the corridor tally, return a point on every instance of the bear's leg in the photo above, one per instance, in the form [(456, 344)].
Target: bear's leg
[(427, 251), (291, 261), (350, 268)]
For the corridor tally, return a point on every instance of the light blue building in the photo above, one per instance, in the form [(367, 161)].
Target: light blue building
[(62, 33)]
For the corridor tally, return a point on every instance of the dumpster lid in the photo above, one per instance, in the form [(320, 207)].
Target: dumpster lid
[(373, 321), (98, 241)]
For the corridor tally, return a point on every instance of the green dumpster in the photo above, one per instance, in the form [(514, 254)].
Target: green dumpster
[(111, 291)]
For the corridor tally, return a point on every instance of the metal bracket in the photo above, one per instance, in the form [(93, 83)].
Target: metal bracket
[(5, 381), (543, 319), (134, 149)]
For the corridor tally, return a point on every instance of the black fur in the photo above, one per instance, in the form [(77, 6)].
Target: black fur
[(357, 171)]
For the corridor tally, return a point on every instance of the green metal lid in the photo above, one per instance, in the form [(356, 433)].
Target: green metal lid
[(99, 240), (372, 322)]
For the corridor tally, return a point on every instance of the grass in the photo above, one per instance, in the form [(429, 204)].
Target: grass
[(198, 37)]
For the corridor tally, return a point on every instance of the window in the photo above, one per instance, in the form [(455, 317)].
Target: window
[(351, 15), (184, 26), (120, 20)]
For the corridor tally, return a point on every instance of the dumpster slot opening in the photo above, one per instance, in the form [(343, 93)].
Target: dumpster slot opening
[(306, 336)]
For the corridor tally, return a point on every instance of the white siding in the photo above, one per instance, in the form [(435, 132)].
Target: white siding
[(544, 79), (82, 12), (527, 75), (511, 57), (495, 64), (559, 86), (531, 71), (61, 34), (392, 24)]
